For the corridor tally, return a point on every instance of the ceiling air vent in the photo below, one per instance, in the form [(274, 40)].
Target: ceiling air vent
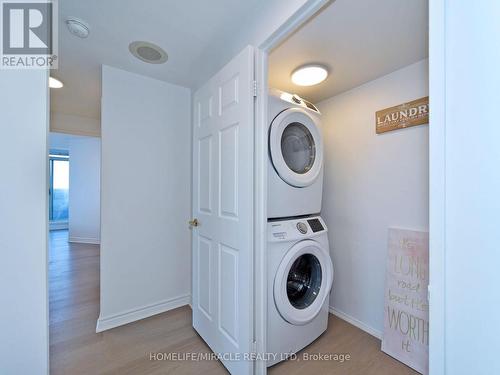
[(148, 52), (78, 27)]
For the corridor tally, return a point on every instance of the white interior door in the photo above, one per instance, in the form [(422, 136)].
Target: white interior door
[(223, 206)]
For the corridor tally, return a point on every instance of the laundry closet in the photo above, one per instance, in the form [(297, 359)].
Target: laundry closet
[(348, 178)]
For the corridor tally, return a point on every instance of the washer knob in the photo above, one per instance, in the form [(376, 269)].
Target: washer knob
[(302, 227)]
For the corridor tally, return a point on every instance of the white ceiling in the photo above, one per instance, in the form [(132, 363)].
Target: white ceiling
[(194, 33), (359, 40)]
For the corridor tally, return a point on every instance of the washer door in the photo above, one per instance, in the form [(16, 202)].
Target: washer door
[(303, 282), (296, 147)]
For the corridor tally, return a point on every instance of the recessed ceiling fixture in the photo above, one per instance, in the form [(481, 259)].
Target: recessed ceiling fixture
[(148, 52), (55, 83), (78, 27), (309, 75)]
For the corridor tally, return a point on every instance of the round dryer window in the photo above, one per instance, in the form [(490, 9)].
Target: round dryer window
[(296, 147), (302, 282)]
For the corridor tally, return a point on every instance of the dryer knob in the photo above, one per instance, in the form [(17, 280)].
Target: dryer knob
[(302, 227), (297, 99)]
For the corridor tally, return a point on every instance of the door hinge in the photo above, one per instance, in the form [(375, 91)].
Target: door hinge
[(255, 88), (428, 293), (254, 346)]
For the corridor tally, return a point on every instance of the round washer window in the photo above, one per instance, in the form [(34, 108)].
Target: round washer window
[(304, 281), (298, 148)]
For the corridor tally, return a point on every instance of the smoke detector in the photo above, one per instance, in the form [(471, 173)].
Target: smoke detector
[(78, 27), (148, 52)]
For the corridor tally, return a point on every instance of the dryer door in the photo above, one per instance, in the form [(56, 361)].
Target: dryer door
[(296, 147), (303, 282)]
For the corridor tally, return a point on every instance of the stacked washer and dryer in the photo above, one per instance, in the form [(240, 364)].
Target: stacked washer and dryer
[(300, 271)]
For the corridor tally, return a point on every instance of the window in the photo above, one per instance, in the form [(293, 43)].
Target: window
[(59, 186)]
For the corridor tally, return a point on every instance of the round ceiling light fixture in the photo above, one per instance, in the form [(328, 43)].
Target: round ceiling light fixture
[(309, 75), (77, 27), (148, 52), (55, 83)]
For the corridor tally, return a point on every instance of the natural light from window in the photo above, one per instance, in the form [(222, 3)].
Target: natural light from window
[(61, 174), (59, 189)]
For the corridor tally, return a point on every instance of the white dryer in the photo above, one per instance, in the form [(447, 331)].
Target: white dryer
[(300, 275), (295, 167)]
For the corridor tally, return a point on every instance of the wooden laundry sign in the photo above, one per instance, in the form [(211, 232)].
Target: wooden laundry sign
[(406, 309), (404, 115)]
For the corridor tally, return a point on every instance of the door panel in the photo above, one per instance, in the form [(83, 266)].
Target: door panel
[(223, 205), (205, 276), (229, 93), (205, 174), (229, 171), (228, 293)]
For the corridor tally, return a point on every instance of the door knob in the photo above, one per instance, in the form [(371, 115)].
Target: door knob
[(193, 223)]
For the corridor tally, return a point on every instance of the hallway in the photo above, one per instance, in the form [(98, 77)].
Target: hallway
[(76, 349)]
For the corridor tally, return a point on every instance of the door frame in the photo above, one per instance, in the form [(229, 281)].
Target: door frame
[(437, 183), (437, 186), (301, 16)]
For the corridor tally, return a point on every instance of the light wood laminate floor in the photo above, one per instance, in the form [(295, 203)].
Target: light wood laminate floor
[(76, 349)]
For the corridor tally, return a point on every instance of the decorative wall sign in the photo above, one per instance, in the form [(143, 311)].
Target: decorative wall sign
[(404, 115), (406, 309)]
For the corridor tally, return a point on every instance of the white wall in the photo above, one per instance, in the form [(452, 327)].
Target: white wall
[(72, 124), (146, 197), (372, 182), (85, 190), (470, 140), (85, 185), (23, 222), (59, 141)]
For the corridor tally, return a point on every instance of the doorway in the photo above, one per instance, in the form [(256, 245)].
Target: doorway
[(74, 241), (275, 66)]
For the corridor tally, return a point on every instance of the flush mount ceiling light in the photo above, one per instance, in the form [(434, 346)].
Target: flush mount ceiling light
[(78, 27), (148, 52), (55, 83), (309, 75)]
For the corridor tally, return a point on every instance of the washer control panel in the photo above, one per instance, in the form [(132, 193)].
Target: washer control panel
[(315, 225), (295, 229)]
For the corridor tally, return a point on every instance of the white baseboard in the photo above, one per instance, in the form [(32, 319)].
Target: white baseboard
[(355, 322), (93, 241), (108, 322)]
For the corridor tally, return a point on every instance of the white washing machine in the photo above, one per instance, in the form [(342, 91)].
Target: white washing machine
[(300, 275), (295, 167)]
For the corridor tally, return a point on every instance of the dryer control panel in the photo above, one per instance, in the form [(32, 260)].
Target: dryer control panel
[(294, 229), (294, 99)]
